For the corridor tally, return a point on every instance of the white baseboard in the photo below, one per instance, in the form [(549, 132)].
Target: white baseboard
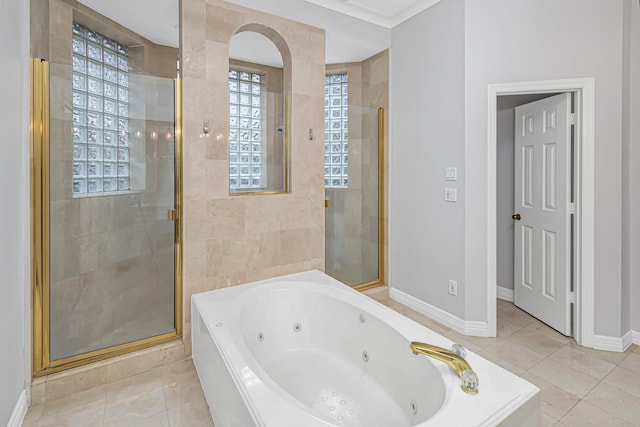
[(472, 328), (504, 293), (635, 337), (617, 344), (19, 411), (627, 340)]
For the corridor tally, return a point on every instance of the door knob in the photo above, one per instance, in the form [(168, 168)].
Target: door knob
[(516, 217)]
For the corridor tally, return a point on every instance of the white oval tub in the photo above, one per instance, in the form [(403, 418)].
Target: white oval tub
[(305, 350)]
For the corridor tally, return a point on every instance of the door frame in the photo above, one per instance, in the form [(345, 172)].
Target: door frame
[(584, 231)]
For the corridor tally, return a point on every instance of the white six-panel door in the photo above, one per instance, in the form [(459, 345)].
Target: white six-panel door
[(542, 220)]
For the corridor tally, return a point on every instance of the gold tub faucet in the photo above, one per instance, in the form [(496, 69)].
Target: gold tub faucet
[(454, 358)]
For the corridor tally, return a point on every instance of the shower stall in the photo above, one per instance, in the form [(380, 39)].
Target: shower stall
[(354, 214), (106, 150)]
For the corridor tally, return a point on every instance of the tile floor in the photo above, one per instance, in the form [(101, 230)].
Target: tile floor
[(579, 387)]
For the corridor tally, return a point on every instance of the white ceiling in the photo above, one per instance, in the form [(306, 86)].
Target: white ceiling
[(386, 13), (350, 25), (156, 20)]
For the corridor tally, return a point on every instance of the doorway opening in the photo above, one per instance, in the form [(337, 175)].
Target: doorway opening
[(522, 215), (582, 91)]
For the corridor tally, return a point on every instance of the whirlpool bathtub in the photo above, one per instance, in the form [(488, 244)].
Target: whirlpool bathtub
[(305, 350)]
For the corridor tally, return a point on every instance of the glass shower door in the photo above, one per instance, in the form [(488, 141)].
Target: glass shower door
[(109, 212), (353, 214)]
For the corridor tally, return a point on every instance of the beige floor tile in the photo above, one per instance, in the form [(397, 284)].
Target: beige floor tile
[(429, 323), (79, 409), (479, 342), (195, 413), (379, 293), (136, 401), (585, 414), (179, 394), (583, 361), (475, 344), (609, 356), (70, 382), (564, 377), (625, 379), (506, 327), (511, 319), (547, 420), (502, 363), (135, 384), (554, 401), (386, 301), (632, 362), (132, 419), (33, 414), (88, 414), (513, 353), (501, 303), (539, 338), (179, 371), (417, 317), (615, 401)]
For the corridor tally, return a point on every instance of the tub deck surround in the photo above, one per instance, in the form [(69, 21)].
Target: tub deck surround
[(305, 349)]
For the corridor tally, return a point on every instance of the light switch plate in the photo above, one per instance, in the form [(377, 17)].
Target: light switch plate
[(450, 174), (450, 195)]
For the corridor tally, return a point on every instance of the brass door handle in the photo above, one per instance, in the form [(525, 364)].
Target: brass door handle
[(517, 217), (327, 203)]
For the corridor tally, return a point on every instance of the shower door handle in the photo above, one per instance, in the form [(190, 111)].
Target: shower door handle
[(172, 215)]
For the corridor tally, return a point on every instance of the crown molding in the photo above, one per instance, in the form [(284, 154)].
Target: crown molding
[(373, 16)]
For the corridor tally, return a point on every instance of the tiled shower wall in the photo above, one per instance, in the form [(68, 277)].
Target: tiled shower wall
[(229, 240), (352, 219)]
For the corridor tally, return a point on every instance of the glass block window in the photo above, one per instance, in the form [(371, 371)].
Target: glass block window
[(247, 159), (336, 131), (100, 81)]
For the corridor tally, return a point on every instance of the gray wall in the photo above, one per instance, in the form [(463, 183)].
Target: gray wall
[(632, 226), (505, 189), (626, 166), (14, 193), (427, 134), (443, 61), (580, 38)]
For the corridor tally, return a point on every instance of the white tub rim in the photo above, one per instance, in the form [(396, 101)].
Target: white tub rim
[(252, 398)]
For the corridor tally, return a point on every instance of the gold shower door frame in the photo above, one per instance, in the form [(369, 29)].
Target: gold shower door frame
[(40, 252), (381, 213)]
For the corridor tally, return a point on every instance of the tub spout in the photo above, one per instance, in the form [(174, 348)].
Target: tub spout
[(455, 361)]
